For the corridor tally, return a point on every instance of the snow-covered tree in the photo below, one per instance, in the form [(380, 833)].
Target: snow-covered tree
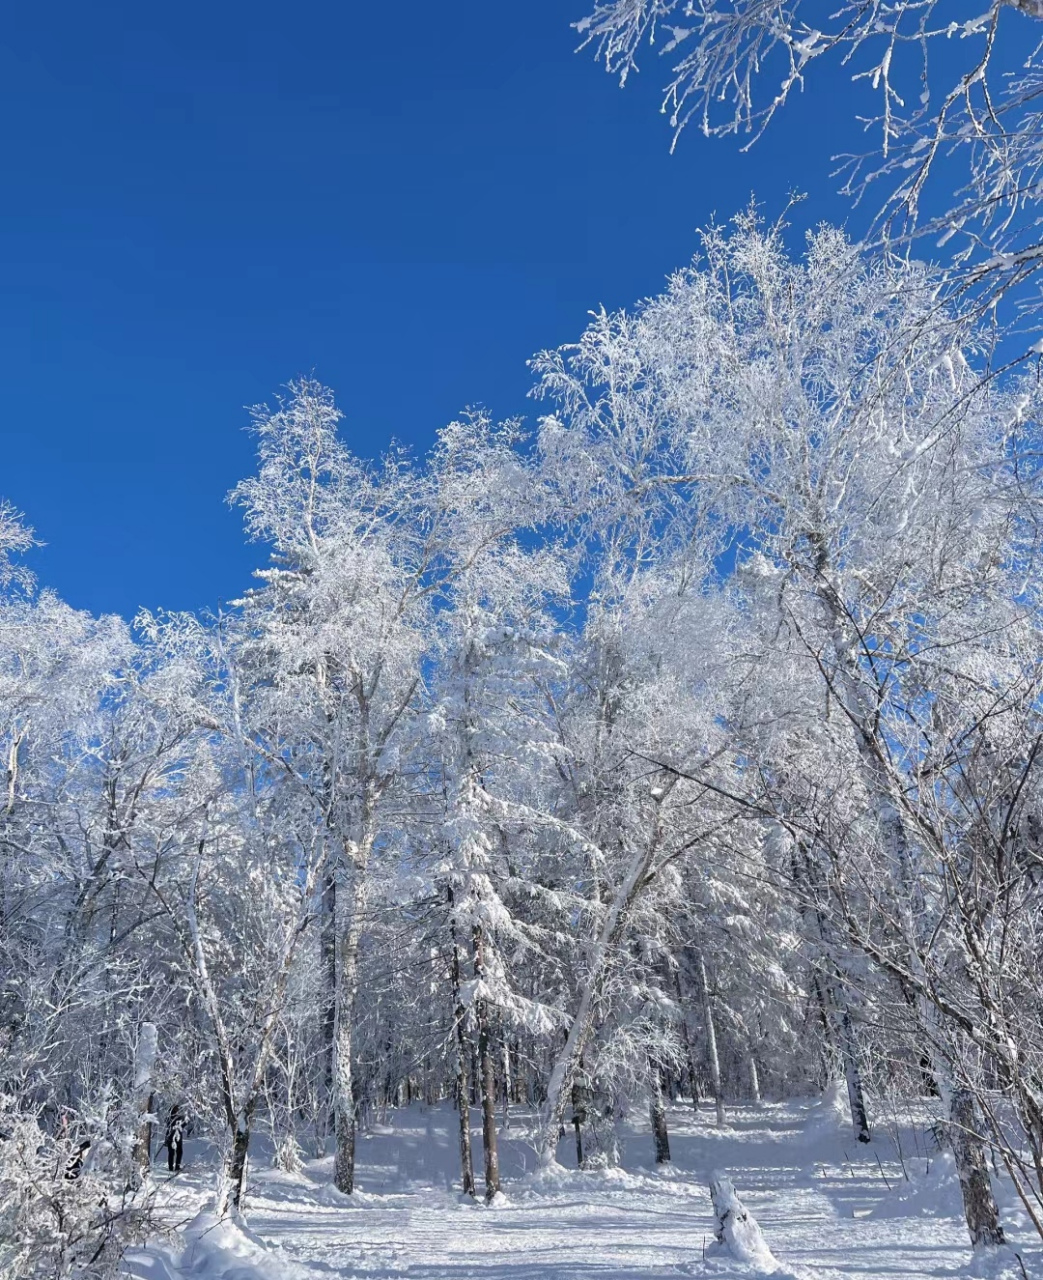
[(950, 98)]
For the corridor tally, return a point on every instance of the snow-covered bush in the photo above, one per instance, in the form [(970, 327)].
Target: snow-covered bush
[(52, 1226)]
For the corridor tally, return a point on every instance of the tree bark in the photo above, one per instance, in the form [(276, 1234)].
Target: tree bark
[(853, 1076), (328, 960), (508, 1076), (711, 1045), (236, 1173), (578, 1116), (144, 1064), (755, 1082), (350, 905), (675, 971), (485, 1062), (836, 1014), (463, 1062), (979, 1204), (657, 1115)]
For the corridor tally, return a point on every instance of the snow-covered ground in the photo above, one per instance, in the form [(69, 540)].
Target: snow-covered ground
[(826, 1208)]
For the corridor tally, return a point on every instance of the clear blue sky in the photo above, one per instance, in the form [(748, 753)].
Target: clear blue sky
[(202, 201)]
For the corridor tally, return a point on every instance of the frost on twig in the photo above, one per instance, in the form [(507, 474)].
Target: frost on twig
[(941, 89)]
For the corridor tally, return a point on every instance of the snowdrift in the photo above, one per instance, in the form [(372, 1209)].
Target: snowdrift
[(934, 1193), (215, 1249)]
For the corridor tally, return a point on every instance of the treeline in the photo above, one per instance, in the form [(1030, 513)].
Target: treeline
[(689, 746)]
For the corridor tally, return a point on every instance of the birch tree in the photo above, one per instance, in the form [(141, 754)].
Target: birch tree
[(340, 623), (838, 442)]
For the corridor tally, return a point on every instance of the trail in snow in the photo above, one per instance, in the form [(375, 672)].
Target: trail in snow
[(823, 1204)]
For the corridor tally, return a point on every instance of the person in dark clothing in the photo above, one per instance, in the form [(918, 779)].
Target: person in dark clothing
[(74, 1164), (174, 1140)]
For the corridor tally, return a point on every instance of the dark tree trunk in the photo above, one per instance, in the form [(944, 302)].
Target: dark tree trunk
[(830, 1056), (328, 954), (517, 1094), (488, 1074), (345, 1104), (852, 1074), (237, 1165), (146, 1134), (475, 1075), (928, 1083), (979, 1204), (505, 1099), (657, 1114), (832, 997), (675, 973), (579, 1116), (463, 1063)]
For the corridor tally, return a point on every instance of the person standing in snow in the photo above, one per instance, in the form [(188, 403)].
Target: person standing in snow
[(74, 1164), (174, 1141)]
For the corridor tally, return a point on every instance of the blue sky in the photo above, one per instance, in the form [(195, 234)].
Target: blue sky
[(203, 201)]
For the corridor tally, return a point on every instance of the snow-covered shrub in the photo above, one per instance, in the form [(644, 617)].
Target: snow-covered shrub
[(288, 1157), (53, 1226)]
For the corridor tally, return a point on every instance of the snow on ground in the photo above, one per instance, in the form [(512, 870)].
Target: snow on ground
[(827, 1210)]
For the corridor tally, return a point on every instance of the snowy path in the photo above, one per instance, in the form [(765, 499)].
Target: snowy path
[(825, 1210)]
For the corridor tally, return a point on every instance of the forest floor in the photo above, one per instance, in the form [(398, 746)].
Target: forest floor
[(828, 1209)]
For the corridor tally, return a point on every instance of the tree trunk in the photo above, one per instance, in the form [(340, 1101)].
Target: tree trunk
[(755, 1081), (689, 1057), (836, 1014), (463, 1063), (852, 1074), (328, 961), (145, 1133), (236, 1169), (979, 1204), (711, 1044), (578, 1116), (830, 1058), (350, 905), (144, 1063), (239, 1118), (657, 1114), (559, 1086), (467, 1183), (344, 1105), (485, 1061), (507, 1084)]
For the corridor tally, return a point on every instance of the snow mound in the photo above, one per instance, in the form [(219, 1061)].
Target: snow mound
[(828, 1116), (329, 1196), (149, 1264), (1000, 1262), (225, 1249), (738, 1237), (934, 1194), (551, 1178)]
